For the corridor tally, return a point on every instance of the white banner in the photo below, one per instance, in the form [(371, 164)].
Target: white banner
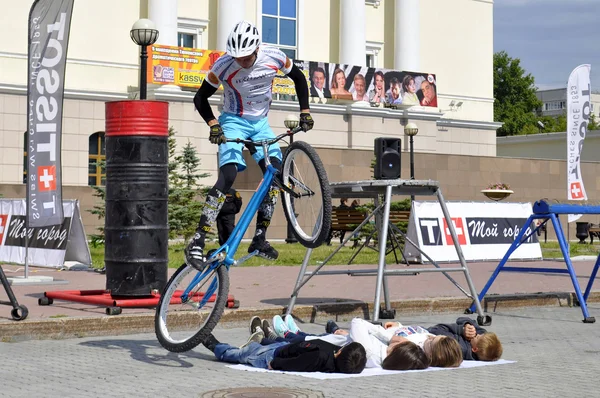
[(48, 246), (485, 231), (578, 115)]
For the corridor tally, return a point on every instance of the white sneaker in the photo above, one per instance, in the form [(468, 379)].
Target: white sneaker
[(255, 337), (291, 324), (279, 326)]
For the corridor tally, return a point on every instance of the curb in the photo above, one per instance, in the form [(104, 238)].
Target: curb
[(74, 327)]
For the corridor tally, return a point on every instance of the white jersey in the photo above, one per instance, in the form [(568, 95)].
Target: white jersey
[(247, 92)]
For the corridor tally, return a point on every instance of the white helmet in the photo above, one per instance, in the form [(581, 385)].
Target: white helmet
[(243, 40)]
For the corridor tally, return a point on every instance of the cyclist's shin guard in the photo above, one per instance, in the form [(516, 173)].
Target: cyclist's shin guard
[(267, 207), (214, 202), (265, 212)]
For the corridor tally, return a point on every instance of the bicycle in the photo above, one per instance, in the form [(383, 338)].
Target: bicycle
[(184, 318)]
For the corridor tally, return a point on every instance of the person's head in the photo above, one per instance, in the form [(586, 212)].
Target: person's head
[(355, 202), (443, 351), (395, 87), (351, 358), (344, 201), (428, 90), (379, 80), (487, 347), (339, 79), (405, 355), (408, 84), (318, 78), (359, 84), (242, 43)]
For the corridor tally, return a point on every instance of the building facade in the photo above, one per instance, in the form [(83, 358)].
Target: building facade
[(554, 102), (409, 35)]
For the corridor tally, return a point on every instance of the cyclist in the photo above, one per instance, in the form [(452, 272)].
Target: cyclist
[(246, 71)]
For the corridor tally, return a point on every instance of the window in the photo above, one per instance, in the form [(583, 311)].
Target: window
[(189, 32), (370, 61), (280, 25), (373, 48), (186, 40), (96, 159)]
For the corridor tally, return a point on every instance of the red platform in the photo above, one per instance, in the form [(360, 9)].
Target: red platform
[(115, 303)]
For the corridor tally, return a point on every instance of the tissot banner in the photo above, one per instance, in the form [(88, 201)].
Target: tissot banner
[(49, 246), (485, 231), (49, 23), (578, 116)]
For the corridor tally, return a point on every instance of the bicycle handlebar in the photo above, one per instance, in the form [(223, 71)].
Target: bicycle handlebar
[(268, 142)]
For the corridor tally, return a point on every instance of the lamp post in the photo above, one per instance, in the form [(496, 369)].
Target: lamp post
[(144, 34), (291, 122), (411, 130)]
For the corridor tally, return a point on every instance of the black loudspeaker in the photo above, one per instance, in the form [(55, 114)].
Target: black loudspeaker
[(387, 158)]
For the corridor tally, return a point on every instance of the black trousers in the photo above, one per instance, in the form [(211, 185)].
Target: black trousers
[(225, 225)]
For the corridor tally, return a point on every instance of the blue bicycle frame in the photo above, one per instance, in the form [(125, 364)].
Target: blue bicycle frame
[(224, 254)]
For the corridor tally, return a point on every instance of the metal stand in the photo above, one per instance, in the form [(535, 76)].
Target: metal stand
[(545, 211), (372, 189), (19, 312)]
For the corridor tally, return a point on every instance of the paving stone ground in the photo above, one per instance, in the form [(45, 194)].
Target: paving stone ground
[(557, 356)]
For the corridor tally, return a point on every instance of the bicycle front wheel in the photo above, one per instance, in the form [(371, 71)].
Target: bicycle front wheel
[(310, 214), (182, 321)]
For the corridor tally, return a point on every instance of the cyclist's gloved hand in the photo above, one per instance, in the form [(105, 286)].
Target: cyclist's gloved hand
[(216, 134), (306, 121)]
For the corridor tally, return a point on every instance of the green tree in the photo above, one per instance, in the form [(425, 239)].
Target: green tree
[(99, 209), (514, 94), (185, 192)]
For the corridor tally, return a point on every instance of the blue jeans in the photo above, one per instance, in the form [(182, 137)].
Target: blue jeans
[(254, 354)]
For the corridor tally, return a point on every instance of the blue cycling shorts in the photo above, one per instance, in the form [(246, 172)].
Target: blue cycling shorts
[(238, 127)]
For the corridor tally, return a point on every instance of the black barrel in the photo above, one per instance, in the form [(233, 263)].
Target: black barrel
[(136, 222)]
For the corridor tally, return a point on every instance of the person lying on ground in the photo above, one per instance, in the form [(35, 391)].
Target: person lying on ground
[(305, 356), (398, 355), (476, 343)]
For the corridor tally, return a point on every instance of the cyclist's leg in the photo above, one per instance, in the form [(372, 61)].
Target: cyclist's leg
[(267, 207), (230, 162)]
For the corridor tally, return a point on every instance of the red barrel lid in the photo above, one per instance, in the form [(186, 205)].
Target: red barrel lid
[(137, 117)]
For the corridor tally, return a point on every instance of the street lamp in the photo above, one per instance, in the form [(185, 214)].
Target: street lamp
[(291, 121), (411, 130), (144, 34)]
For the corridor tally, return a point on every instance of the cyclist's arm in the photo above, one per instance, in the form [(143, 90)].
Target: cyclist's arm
[(301, 86), (207, 89)]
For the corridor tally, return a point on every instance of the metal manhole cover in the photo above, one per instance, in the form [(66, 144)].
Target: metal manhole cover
[(262, 392)]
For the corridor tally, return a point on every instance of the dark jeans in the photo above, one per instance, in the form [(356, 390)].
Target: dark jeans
[(254, 354)]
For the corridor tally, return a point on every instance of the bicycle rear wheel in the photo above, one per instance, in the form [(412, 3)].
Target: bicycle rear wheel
[(310, 214), (182, 323)]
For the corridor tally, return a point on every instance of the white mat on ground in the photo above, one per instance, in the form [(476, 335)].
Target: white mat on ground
[(368, 371)]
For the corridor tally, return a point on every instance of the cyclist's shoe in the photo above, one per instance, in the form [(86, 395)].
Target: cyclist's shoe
[(255, 337), (291, 324), (279, 326), (266, 327), (211, 342), (255, 324), (194, 253), (265, 250)]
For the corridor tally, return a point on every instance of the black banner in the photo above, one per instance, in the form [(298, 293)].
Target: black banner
[(494, 230), (49, 25), (50, 237)]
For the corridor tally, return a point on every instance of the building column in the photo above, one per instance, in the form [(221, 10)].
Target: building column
[(230, 12), (352, 32), (407, 38), (164, 14)]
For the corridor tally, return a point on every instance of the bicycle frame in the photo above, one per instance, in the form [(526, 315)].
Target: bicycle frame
[(224, 254)]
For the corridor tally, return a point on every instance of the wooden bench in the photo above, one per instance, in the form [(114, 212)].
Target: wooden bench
[(594, 231), (344, 220)]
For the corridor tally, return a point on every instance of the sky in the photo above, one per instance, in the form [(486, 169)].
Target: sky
[(550, 37)]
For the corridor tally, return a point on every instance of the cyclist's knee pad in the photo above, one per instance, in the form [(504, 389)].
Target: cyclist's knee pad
[(267, 207)]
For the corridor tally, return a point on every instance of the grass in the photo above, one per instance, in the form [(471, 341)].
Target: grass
[(293, 254)]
